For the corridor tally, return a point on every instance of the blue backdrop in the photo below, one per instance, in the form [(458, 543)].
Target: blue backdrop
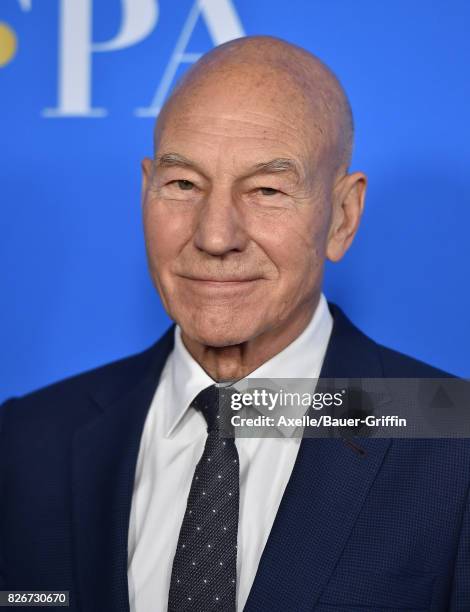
[(80, 84)]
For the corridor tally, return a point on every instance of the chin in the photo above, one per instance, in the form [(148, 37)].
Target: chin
[(219, 331)]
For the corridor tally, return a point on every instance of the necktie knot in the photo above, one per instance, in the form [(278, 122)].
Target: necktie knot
[(214, 404)]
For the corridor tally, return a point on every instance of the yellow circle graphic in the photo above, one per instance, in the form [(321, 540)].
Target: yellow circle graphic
[(8, 44)]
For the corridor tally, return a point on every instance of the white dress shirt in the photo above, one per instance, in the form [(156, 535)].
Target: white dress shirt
[(172, 443)]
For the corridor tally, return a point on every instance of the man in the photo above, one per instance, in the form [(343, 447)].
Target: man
[(117, 485)]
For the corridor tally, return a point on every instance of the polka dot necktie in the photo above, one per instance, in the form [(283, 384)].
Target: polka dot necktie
[(204, 573)]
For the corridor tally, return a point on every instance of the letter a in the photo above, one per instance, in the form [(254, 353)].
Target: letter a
[(223, 24)]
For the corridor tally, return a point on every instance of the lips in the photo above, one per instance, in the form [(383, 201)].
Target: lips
[(216, 286), (228, 279)]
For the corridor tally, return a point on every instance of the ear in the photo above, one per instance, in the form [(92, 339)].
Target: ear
[(147, 169), (348, 204)]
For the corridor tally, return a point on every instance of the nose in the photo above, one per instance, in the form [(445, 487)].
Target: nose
[(220, 227)]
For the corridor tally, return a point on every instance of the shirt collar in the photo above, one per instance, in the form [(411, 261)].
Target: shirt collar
[(302, 358)]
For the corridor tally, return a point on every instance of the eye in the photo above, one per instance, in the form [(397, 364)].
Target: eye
[(184, 185), (268, 191)]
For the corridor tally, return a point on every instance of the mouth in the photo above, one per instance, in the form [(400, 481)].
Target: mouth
[(221, 284), (221, 279)]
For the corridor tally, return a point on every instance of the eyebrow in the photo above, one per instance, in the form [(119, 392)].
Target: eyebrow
[(277, 165), (168, 160)]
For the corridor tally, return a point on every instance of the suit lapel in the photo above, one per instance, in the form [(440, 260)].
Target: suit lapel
[(105, 452), (324, 496)]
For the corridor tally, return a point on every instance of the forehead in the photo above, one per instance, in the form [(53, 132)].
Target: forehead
[(240, 120)]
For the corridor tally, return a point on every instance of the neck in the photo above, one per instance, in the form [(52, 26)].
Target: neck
[(234, 362)]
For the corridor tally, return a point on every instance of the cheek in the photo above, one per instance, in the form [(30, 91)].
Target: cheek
[(166, 231), (295, 242)]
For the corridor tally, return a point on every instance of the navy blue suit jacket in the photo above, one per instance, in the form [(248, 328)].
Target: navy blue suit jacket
[(388, 529)]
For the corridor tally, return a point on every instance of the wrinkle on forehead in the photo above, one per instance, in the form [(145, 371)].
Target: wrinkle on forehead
[(269, 81)]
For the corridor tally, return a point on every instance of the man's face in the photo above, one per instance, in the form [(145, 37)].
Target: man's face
[(236, 214)]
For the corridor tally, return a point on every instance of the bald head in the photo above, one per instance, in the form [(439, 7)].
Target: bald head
[(258, 72), (248, 193)]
